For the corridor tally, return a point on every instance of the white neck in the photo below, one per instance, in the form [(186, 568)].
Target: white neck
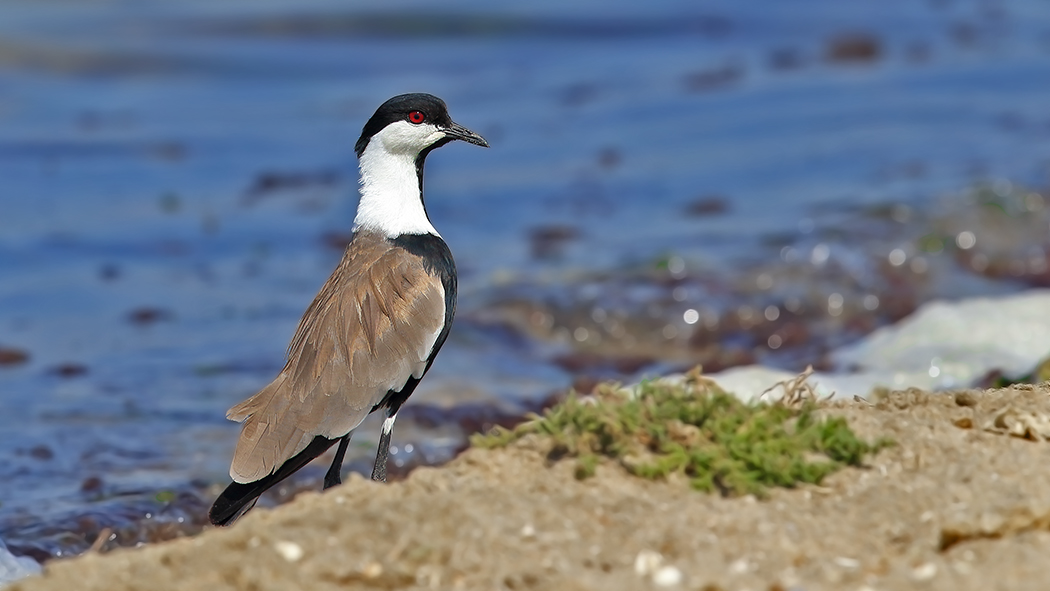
[(391, 203)]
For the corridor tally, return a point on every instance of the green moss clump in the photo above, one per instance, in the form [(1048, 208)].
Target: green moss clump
[(694, 428)]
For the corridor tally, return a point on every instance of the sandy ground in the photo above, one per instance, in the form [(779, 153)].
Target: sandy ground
[(959, 503)]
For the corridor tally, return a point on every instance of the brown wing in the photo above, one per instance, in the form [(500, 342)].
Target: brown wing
[(370, 329)]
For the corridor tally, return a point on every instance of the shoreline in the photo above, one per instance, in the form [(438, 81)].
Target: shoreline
[(958, 503)]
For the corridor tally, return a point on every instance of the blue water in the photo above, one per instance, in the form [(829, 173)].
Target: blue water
[(132, 133)]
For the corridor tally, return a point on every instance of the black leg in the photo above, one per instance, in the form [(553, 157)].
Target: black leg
[(379, 470), (332, 477)]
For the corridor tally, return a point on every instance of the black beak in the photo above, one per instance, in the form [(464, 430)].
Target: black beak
[(458, 132)]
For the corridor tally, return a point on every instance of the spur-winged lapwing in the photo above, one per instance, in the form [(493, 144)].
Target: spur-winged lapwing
[(373, 330)]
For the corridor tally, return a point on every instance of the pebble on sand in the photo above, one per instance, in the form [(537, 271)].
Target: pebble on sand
[(290, 551)]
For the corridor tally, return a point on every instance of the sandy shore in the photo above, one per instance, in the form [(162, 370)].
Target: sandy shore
[(958, 503)]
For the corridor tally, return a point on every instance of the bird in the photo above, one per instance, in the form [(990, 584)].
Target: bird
[(374, 328)]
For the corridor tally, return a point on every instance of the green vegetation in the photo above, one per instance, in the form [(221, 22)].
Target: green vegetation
[(695, 429), (1040, 374)]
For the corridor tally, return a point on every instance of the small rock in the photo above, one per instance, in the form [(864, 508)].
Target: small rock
[(290, 551), (527, 531), (667, 576), (609, 158), (708, 205), (739, 566), (855, 48), (924, 572), (847, 562), (786, 59), (109, 272), (647, 562), (68, 370), (146, 316), (41, 452), (11, 356), (966, 398), (549, 242), (268, 182), (91, 484), (651, 564), (714, 78), (372, 570)]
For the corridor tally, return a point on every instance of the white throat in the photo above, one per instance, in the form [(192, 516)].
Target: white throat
[(391, 203)]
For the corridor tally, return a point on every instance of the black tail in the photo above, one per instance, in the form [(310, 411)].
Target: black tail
[(238, 498)]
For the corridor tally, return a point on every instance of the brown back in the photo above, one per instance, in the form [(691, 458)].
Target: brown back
[(370, 328)]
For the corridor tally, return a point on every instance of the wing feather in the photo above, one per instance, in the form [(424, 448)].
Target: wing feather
[(370, 328)]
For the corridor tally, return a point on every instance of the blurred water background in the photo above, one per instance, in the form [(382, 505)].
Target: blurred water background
[(670, 183)]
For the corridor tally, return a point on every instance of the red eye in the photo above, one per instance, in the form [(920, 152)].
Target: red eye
[(416, 117)]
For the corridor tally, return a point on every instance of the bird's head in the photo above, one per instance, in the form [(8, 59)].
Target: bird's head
[(413, 125)]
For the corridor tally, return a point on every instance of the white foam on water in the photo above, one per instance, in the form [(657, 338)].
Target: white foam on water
[(943, 345), (13, 568)]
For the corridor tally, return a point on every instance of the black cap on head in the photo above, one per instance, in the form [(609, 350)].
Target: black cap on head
[(400, 108)]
